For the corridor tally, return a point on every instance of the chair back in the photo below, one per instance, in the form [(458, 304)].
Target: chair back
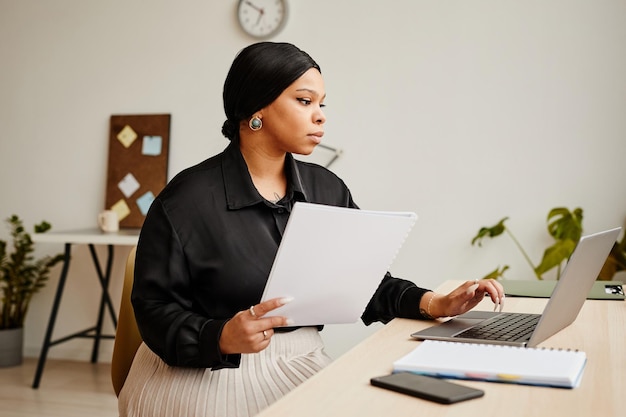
[(127, 337)]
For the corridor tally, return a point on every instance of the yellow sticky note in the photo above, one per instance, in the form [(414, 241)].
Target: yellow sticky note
[(127, 136), (122, 209)]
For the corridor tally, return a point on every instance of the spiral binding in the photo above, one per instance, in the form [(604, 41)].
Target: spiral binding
[(556, 349)]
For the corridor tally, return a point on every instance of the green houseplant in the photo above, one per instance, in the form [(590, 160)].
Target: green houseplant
[(565, 227), (21, 276)]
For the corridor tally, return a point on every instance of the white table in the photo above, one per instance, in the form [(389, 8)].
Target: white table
[(90, 237)]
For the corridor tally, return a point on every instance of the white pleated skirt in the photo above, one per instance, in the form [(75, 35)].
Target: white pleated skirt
[(154, 389)]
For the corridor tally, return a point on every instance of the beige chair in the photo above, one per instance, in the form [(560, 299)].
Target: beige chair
[(127, 337)]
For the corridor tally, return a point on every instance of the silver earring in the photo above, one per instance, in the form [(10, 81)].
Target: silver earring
[(255, 123)]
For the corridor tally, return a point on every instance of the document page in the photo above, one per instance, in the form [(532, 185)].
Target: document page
[(331, 261)]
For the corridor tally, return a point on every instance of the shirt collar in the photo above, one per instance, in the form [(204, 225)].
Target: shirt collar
[(241, 192)]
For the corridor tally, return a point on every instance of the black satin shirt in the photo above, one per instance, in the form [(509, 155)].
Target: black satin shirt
[(206, 249)]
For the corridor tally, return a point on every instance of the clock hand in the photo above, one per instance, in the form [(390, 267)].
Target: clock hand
[(258, 9), (249, 3), (261, 12)]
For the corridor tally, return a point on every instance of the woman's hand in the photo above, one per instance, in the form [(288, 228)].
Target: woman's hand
[(464, 298), (248, 331)]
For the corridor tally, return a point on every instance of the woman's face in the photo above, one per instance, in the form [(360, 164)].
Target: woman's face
[(294, 122)]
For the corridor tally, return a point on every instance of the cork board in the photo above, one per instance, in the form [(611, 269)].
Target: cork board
[(137, 167)]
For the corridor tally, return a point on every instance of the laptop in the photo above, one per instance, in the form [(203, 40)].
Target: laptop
[(528, 330)]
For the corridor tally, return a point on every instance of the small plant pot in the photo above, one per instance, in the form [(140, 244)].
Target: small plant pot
[(11, 347)]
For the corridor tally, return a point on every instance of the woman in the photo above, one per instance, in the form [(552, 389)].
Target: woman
[(208, 243)]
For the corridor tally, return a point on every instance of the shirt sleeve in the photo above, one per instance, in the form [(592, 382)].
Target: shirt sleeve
[(394, 297), (162, 301)]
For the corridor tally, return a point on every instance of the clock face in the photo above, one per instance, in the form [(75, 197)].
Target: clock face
[(262, 18)]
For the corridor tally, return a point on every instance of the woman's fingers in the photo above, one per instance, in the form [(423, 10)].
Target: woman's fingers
[(259, 310), (491, 287), (249, 330)]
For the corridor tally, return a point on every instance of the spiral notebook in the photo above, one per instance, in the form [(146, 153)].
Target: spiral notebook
[(495, 363), (331, 261)]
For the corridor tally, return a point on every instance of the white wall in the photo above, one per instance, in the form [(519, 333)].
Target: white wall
[(463, 111)]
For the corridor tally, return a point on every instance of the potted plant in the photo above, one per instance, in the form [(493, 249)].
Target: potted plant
[(21, 276), (566, 228)]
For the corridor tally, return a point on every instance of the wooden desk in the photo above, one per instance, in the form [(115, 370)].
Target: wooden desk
[(90, 237), (343, 389)]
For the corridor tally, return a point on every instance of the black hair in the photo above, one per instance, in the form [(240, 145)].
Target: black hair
[(258, 75)]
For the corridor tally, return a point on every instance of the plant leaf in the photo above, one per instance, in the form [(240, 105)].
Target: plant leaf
[(555, 255), (565, 225), (615, 262), (492, 231), (496, 273), (42, 227)]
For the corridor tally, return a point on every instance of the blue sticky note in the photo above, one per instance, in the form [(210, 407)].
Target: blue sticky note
[(145, 201), (152, 145)]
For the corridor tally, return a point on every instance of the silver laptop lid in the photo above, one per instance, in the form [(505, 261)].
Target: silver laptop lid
[(578, 277)]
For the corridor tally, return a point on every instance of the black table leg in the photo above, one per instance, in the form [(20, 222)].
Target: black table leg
[(53, 315), (105, 301)]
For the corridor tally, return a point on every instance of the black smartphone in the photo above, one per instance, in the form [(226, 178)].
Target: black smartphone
[(426, 387)]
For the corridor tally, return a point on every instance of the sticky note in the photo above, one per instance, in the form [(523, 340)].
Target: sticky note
[(152, 145), (127, 136), (128, 185), (122, 209), (145, 201)]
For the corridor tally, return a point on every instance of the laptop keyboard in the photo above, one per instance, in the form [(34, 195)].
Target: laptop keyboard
[(506, 327)]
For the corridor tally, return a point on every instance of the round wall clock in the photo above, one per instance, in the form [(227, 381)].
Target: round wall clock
[(262, 18)]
